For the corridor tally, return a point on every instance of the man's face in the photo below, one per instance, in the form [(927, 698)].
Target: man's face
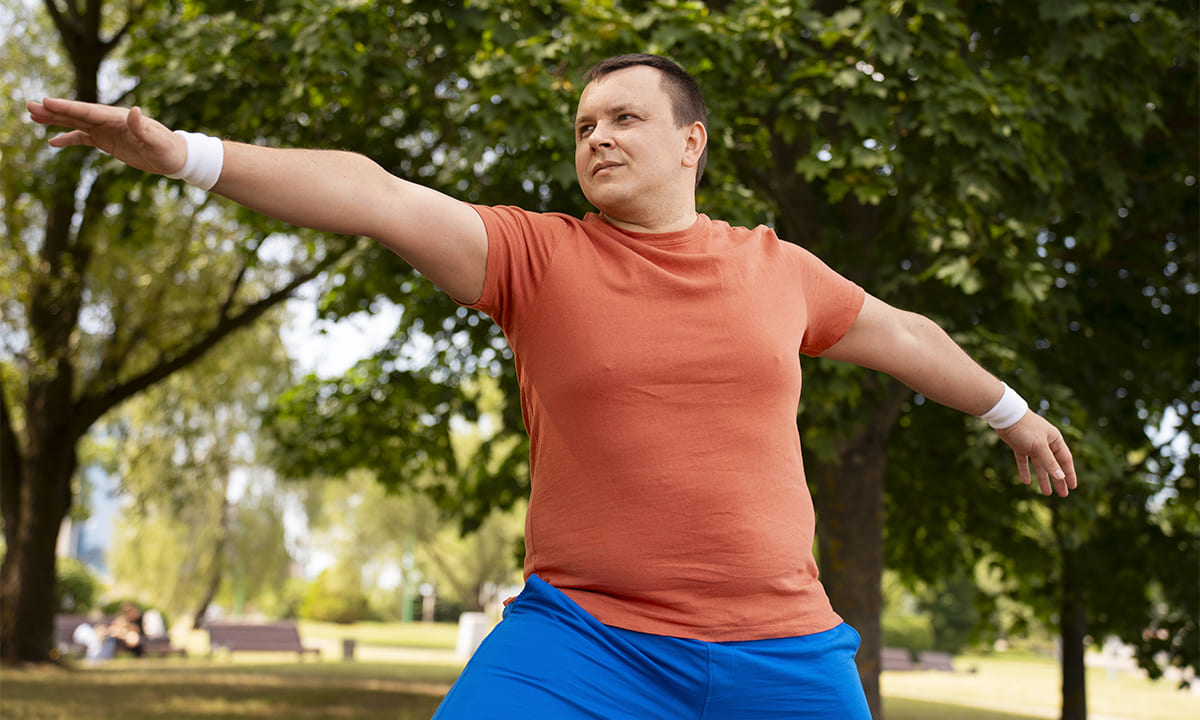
[(629, 154)]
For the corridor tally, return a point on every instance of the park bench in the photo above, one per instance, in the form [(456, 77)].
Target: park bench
[(896, 659), (64, 634), (280, 636), (64, 638), (934, 660)]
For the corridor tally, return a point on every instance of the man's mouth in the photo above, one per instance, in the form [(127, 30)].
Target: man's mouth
[(604, 165)]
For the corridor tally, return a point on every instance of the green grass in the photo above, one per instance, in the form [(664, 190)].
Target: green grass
[(247, 686), (376, 641), (908, 709), (411, 635), (195, 690), (1032, 687)]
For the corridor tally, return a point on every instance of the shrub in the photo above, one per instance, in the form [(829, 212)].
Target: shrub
[(903, 630), (327, 603), (76, 588)]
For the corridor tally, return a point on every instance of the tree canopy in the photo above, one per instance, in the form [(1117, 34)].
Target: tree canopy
[(113, 282)]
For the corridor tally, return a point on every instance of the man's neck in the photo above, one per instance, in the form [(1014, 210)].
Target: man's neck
[(674, 222)]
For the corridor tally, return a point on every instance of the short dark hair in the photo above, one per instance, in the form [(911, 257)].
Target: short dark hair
[(687, 102)]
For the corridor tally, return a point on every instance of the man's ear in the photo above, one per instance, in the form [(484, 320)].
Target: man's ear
[(696, 141)]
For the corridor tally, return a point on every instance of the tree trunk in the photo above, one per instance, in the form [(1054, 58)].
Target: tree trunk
[(38, 500), (1074, 630), (849, 502), (27, 577), (217, 571), (848, 496)]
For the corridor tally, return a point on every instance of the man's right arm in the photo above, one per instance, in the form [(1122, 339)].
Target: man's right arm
[(331, 191)]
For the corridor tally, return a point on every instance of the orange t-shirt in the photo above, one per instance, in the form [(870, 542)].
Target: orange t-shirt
[(660, 378)]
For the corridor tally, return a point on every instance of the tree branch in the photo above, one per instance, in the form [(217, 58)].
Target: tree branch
[(92, 18), (133, 13), (124, 339), (233, 290), (90, 408), (106, 46), (73, 9), (68, 29)]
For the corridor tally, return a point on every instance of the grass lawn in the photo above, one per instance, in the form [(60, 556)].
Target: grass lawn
[(200, 689), (1032, 686), (909, 709), (246, 686), (413, 635)]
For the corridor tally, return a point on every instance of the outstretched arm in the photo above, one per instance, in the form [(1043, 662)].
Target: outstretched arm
[(918, 353), (332, 191)]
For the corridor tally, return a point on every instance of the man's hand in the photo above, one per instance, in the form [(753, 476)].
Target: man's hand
[(126, 134), (1034, 439)]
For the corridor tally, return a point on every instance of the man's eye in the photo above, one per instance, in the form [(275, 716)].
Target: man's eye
[(585, 130)]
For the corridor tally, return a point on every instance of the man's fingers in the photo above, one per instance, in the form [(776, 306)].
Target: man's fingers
[(134, 122), (75, 137), (80, 112), (75, 114), (1034, 441), (1056, 468), (1066, 463), (1022, 466), (1044, 481)]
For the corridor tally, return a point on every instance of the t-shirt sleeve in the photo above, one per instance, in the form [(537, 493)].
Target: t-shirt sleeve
[(832, 302), (520, 247)]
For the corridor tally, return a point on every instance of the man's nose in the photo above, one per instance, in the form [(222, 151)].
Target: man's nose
[(600, 137)]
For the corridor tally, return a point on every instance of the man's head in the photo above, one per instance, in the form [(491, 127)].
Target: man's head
[(640, 141), (687, 101)]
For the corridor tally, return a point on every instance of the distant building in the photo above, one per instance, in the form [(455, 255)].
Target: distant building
[(89, 540)]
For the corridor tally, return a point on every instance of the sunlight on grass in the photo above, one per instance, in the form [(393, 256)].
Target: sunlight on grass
[(198, 688), (907, 709), (413, 635), (1033, 687), (150, 690)]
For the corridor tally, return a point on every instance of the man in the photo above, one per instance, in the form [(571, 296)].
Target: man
[(669, 566)]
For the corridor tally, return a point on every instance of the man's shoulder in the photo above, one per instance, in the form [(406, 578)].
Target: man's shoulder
[(765, 235), (519, 215)]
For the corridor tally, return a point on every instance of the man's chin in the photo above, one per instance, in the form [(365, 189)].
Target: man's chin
[(605, 200)]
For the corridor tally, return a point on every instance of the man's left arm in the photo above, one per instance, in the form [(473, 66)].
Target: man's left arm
[(917, 352)]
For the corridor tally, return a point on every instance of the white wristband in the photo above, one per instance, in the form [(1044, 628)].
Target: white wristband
[(1007, 411), (205, 157)]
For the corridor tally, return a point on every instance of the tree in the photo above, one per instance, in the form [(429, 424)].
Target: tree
[(183, 445), (372, 532), (1119, 335), (113, 282)]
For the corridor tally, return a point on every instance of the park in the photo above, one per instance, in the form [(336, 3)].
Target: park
[(402, 670), (1023, 174)]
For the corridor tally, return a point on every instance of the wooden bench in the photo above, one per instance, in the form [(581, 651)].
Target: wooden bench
[(280, 636), (64, 634), (162, 647), (934, 660), (896, 659), (64, 638)]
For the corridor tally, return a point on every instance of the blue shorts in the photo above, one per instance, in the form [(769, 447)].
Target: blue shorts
[(550, 659)]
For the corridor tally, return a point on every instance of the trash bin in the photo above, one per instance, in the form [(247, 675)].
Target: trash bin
[(473, 627), (348, 648)]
